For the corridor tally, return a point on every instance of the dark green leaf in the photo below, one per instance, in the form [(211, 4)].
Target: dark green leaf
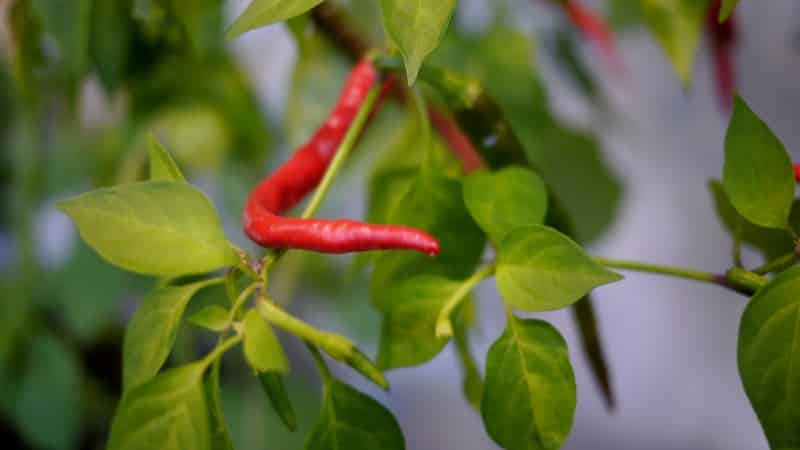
[(261, 13), (769, 358), (540, 269), (757, 176), (169, 412), (416, 28), (111, 41), (530, 394), (162, 166), (151, 333), (155, 228), (261, 347), (586, 322), (502, 201), (212, 317), (353, 421), (273, 386)]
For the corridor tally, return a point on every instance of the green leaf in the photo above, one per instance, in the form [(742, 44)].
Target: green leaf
[(769, 358), (220, 435), (353, 421), (152, 330), (530, 394), (154, 228), (757, 175), (261, 13), (502, 201), (69, 23), (408, 334), (111, 40), (677, 26), (48, 399), (416, 28), (162, 166), (212, 317), (727, 9), (262, 349), (586, 323), (540, 269), (273, 386), (168, 412)]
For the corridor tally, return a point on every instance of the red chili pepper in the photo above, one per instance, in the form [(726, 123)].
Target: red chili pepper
[(723, 38), (301, 174), (596, 29), (797, 172)]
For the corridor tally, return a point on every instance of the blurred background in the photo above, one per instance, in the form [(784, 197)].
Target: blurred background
[(78, 99)]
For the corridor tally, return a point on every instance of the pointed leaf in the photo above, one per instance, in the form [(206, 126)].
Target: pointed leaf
[(586, 322), (757, 175), (212, 317), (154, 228), (261, 13), (540, 269), (162, 166), (273, 386), (530, 394), (261, 347), (677, 26)]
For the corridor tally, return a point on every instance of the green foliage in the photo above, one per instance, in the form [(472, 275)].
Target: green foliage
[(757, 175), (530, 394), (261, 347), (212, 317), (540, 269), (220, 435), (69, 24), (768, 358), (155, 228), (351, 420), (264, 12), (272, 384), (162, 166), (727, 9)]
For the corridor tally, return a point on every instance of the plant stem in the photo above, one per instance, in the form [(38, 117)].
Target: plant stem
[(242, 298), (319, 361), (221, 348), (444, 326), (778, 264)]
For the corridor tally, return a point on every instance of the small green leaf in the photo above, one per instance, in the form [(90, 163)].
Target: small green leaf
[(212, 317), (727, 9), (273, 386), (757, 175), (353, 421), (530, 394), (155, 228), (540, 269), (502, 201), (262, 349), (48, 400), (220, 435), (168, 412), (769, 358), (162, 166), (261, 13), (677, 26), (416, 28), (152, 330)]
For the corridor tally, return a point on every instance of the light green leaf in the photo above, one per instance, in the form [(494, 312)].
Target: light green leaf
[(416, 27), (504, 200), (152, 330), (272, 385), (353, 421), (155, 228), (261, 13), (162, 166), (69, 23), (540, 269), (757, 175), (769, 358), (677, 26), (48, 400), (727, 9), (530, 394), (168, 412), (212, 317), (262, 349)]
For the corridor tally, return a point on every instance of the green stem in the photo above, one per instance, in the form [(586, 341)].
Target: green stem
[(319, 361), (444, 326), (424, 127), (221, 348), (679, 272), (242, 298), (778, 264)]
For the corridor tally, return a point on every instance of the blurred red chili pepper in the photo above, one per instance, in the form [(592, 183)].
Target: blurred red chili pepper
[(797, 172), (595, 28), (304, 170), (723, 37)]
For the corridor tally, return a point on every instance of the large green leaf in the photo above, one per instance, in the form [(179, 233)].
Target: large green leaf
[(416, 28), (757, 175), (508, 199), (152, 330), (262, 349), (530, 394), (769, 358), (69, 23), (168, 412), (155, 228), (727, 9), (353, 421), (48, 401), (261, 13), (677, 26), (540, 269)]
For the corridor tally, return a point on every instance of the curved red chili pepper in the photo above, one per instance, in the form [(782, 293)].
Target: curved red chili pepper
[(797, 172), (723, 38), (301, 174), (596, 29)]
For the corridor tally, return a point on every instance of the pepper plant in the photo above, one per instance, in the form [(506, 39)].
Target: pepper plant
[(470, 181)]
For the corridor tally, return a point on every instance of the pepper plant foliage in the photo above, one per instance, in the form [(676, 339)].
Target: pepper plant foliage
[(521, 204)]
